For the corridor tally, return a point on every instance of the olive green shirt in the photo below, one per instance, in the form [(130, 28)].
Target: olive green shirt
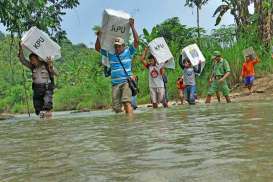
[(221, 68)]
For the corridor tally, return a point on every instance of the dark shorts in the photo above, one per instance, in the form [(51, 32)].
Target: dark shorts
[(249, 80), (42, 97)]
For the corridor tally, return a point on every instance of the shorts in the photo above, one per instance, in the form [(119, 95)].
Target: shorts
[(157, 95), (249, 80), (216, 86), (121, 93)]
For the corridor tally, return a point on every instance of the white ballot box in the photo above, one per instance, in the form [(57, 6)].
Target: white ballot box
[(114, 24), (249, 51), (194, 54), (160, 50), (39, 43)]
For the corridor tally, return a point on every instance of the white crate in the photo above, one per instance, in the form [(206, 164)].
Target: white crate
[(114, 24), (249, 51), (194, 54), (160, 50), (39, 43)]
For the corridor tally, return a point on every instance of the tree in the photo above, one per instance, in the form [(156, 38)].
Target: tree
[(2, 35), (19, 16), (198, 4), (225, 35), (176, 34), (264, 9), (243, 19)]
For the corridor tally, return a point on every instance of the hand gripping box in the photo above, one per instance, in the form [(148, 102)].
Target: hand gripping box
[(114, 24), (194, 54), (249, 51), (38, 42), (160, 50)]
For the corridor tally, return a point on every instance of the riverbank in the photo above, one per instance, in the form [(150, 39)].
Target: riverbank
[(4, 116), (262, 90)]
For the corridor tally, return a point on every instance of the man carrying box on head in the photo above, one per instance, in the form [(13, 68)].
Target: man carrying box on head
[(120, 60), (248, 71), (220, 72), (43, 82)]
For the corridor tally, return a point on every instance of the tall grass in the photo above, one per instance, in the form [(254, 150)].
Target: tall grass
[(81, 84)]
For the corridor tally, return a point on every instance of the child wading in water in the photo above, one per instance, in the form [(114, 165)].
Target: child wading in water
[(156, 83), (189, 79), (248, 72), (181, 87)]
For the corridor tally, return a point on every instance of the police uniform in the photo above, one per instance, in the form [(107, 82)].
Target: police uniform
[(42, 86)]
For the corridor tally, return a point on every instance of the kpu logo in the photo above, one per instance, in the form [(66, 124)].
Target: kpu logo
[(159, 46), (121, 29), (38, 43)]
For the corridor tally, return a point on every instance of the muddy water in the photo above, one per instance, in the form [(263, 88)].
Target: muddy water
[(229, 142)]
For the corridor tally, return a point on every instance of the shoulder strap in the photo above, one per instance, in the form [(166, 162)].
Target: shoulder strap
[(122, 65)]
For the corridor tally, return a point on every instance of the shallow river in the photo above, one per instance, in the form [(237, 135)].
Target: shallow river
[(228, 142)]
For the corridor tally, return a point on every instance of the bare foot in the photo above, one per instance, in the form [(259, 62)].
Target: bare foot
[(48, 114), (42, 114)]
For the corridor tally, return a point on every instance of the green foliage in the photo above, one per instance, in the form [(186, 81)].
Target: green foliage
[(19, 16), (221, 11), (2, 36), (225, 35), (82, 85)]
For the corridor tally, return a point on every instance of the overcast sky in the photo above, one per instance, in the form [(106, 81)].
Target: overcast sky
[(78, 22)]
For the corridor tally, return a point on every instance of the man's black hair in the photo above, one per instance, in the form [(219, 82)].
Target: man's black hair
[(32, 54), (186, 60), (151, 56)]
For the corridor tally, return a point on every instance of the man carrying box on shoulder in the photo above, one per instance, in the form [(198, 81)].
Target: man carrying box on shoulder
[(43, 82), (121, 69)]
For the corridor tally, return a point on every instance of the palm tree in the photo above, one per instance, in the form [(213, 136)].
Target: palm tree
[(265, 21), (198, 4), (239, 10)]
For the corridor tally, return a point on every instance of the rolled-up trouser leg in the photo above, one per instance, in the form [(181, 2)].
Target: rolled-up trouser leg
[(116, 98), (192, 93), (48, 103)]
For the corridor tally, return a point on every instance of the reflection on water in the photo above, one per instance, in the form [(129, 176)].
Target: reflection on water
[(229, 142)]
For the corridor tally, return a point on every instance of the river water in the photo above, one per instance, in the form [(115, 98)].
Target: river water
[(221, 142)]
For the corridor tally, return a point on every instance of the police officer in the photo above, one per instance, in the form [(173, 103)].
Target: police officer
[(42, 82)]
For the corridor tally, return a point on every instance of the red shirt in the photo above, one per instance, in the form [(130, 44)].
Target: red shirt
[(180, 84), (248, 68)]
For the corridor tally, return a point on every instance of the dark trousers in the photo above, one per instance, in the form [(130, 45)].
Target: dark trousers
[(42, 97)]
